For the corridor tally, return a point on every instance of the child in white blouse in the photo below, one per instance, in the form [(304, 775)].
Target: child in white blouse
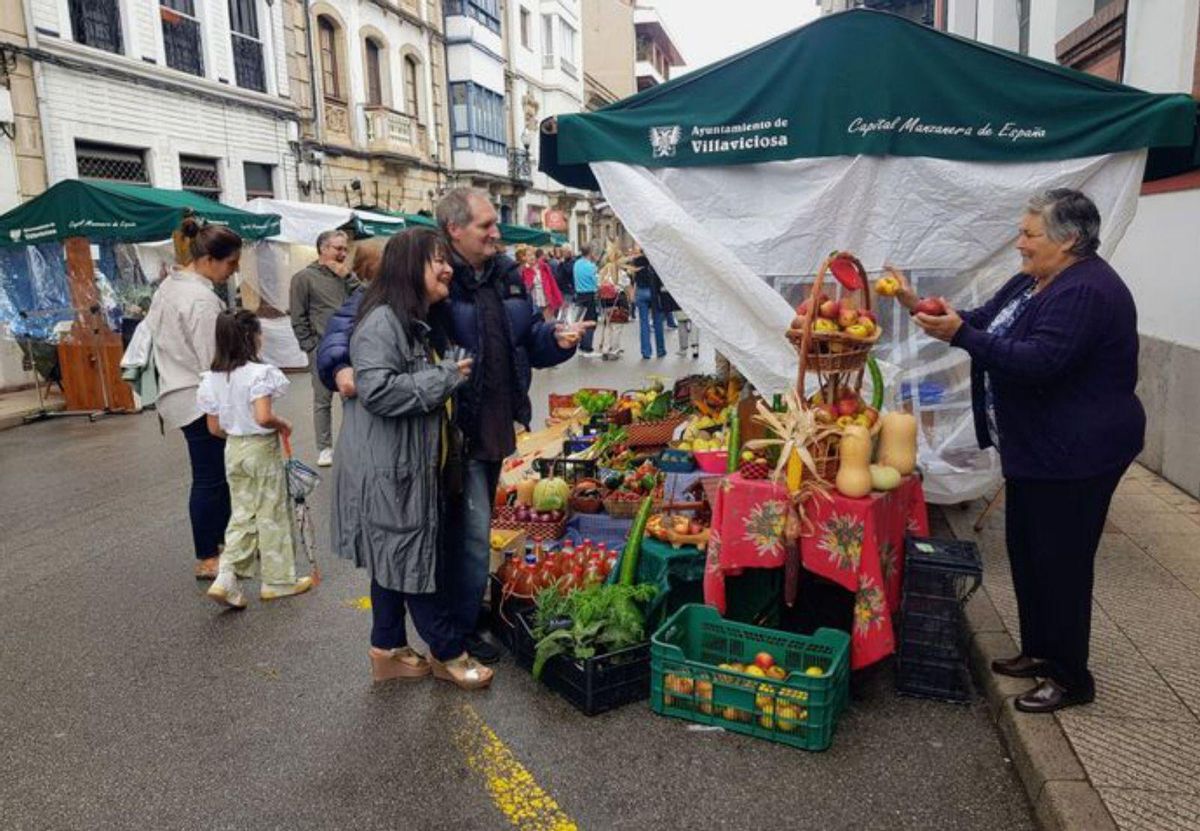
[(236, 396)]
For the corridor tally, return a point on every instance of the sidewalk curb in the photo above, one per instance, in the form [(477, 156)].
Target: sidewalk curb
[(1062, 797)]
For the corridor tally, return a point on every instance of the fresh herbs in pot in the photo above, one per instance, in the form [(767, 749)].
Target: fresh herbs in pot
[(602, 618)]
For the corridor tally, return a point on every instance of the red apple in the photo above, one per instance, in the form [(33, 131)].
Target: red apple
[(930, 306), (764, 661), (802, 309), (847, 406), (869, 315), (830, 309), (847, 317)]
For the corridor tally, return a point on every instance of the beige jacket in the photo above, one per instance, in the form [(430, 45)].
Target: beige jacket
[(183, 325)]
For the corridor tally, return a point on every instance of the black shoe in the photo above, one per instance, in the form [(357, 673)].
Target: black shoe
[(1022, 666), (1049, 696), (481, 650)]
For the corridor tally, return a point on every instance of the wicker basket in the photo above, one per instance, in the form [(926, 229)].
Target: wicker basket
[(652, 433), (628, 508), (505, 518), (830, 352)]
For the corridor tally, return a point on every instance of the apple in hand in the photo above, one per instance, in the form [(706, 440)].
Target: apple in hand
[(930, 306)]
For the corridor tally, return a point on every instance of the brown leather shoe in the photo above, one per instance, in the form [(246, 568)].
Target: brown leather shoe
[(1021, 666), (207, 569), (1049, 696)]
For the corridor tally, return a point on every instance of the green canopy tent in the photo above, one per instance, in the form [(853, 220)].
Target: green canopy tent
[(866, 132), (126, 213), (81, 213)]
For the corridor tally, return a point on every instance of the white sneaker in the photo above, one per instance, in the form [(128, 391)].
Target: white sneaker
[(226, 591), (274, 591), (325, 457)]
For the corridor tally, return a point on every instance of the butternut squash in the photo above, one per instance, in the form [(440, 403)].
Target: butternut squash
[(854, 452), (898, 442)]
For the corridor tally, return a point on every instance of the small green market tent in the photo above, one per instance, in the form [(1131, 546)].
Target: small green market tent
[(865, 132), (120, 212), (524, 235)]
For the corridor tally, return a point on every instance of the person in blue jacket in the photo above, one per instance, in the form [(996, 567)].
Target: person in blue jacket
[(1054, 363), (489, 314)]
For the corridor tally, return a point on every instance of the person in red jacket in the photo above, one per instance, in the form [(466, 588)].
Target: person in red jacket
[(543, 288)]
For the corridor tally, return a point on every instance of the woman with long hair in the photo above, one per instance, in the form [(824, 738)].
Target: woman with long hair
[(388, 464), (183, 326)]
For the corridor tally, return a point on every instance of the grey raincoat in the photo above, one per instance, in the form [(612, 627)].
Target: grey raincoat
[(387, 465)]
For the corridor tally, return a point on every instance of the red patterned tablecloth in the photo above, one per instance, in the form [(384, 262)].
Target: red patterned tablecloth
[(857, 543)]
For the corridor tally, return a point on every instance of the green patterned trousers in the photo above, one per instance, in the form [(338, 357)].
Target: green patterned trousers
[(260, 528)]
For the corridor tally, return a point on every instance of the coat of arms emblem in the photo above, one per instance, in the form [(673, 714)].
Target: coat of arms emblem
[(663, 141)]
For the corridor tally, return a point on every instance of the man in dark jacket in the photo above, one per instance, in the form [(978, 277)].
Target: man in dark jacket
[(317, 291), (489, 314)]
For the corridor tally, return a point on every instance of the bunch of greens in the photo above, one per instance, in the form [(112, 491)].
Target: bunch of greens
[(597, 619), (595, 402), (657, 409)]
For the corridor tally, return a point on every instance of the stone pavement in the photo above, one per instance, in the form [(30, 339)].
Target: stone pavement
[(1130, 760)]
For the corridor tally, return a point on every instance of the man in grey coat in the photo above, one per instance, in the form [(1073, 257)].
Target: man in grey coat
[(319, 290)]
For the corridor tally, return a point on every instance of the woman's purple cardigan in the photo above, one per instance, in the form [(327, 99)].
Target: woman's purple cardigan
[(1063, 376)]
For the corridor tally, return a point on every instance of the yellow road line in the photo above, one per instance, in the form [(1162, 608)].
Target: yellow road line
[(512, 788)]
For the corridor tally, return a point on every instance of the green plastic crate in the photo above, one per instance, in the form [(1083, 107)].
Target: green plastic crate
[(800, 710)]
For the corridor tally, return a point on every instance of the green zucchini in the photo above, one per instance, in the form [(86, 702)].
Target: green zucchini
[(633, 544), (876, 383)]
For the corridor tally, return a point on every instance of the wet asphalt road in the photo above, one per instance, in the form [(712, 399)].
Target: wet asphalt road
[(127, 700)]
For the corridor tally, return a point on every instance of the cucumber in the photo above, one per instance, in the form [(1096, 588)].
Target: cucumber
[(876, 383), (633, 544), (734, 449)]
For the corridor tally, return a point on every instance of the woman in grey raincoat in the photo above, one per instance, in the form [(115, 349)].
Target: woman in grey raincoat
[(387, 468)]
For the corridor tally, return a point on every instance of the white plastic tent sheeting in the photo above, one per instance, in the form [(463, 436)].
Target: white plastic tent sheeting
[(265, 269), (738, 245)]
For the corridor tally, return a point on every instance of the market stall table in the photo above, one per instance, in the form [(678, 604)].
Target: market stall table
[(856, 543)]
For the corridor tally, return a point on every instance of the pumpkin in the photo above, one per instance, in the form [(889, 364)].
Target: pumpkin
[(854, 451), (898, 442), (524, 490), (884, 478)]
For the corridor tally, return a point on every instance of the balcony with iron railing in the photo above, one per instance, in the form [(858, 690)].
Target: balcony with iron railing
[(391, 131), (520, 165)]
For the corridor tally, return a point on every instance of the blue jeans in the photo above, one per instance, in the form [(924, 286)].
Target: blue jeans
[(645, 310), (467, 550), (429, 617), (208, 502)]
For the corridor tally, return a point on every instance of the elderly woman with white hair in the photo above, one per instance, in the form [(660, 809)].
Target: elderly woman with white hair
[(1054, 363)]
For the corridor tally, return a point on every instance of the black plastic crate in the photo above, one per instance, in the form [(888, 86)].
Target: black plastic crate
[(937, 568), (604, 682), (942, 637), (504, 621), (570, 469), (931, 678)]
